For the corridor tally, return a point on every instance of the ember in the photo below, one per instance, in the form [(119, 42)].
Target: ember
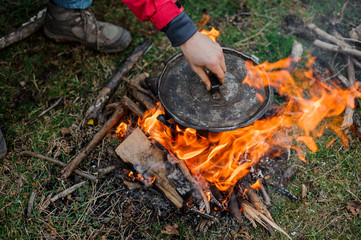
[(224, 158)]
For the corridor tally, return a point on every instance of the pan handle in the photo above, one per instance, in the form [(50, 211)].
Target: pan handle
[(215, 83), (163, 118)]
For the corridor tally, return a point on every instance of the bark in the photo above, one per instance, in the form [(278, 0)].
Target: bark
[(336, 48)]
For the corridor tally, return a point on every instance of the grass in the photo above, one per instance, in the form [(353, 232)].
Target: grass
[(35, 72)]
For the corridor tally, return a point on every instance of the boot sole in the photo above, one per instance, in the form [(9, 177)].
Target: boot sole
[(63, 39)]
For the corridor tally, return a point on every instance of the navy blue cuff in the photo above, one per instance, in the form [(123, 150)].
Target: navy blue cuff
[(180, 29)]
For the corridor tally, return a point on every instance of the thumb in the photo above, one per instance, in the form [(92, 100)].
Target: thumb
[(203, 76)]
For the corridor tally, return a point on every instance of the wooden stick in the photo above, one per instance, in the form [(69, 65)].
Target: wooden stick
[(335, 48), (257, 202), (60, 163), (73, 164), (45, 111), (326, 36), (96, 108), (132, 106), (145, 99), (28, 28)]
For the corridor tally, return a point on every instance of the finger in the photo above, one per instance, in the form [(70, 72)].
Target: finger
[(223, 63), (204, 77), (219, 72)]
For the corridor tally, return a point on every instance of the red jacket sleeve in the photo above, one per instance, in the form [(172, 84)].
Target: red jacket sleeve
[(159, 12)]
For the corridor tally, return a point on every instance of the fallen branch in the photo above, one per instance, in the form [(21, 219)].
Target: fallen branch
[(73, 164), (28, 28), (105, 171), (335, 48), (95, 111), (60, 163)]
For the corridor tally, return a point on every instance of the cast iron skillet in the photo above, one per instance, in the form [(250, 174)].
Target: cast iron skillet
[(227, 107)]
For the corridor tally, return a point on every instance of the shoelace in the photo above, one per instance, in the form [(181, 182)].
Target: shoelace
[(85, 14)]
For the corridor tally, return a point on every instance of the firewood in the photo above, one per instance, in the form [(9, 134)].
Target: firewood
[(95, 111), (132, 106), (234, 207), (257, 203), (183, 167), (147, 100), (28, 28), (326, 36), (296, 54), (73, 164), (265, 195), (137, 150), (60, 163), (336, 48)]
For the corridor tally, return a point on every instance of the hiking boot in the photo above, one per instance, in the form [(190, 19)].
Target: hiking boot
[(80, 25), (3, 149)]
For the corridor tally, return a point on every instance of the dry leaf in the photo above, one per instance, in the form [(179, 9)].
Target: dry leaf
[(171, 229), (354, 207)]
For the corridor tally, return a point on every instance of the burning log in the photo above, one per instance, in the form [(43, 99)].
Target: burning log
[(28, 28), (60, 163), (137, 149), (95, 111), (73, 164)]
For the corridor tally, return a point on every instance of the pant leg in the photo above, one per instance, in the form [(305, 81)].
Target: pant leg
[(73, 4)]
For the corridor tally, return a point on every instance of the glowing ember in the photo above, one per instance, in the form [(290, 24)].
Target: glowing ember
[(224, 158), (146, 181), (212, 34)]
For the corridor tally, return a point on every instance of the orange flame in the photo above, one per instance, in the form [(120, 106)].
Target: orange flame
[(224, 158), (212, 34), (257, 185), (146, 181), (121, 130)]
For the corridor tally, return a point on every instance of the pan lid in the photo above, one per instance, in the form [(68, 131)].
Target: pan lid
[(234, 105)]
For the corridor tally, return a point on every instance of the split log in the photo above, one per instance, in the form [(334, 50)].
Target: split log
[(60, 163), (96, 109), (257, 203), (336, 48), (73, 164), (137, 150), (28, 28)]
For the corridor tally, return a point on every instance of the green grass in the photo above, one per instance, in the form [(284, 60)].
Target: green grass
[(35, 72)]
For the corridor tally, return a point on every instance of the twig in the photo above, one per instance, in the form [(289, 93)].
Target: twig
[(28, 28), (31, 203), (60, 163), (203, 214), (67, 191), (73, 164), (335, 48), (95, 111), (140, 89), (254, 35), (45, 111), (357, 63)]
